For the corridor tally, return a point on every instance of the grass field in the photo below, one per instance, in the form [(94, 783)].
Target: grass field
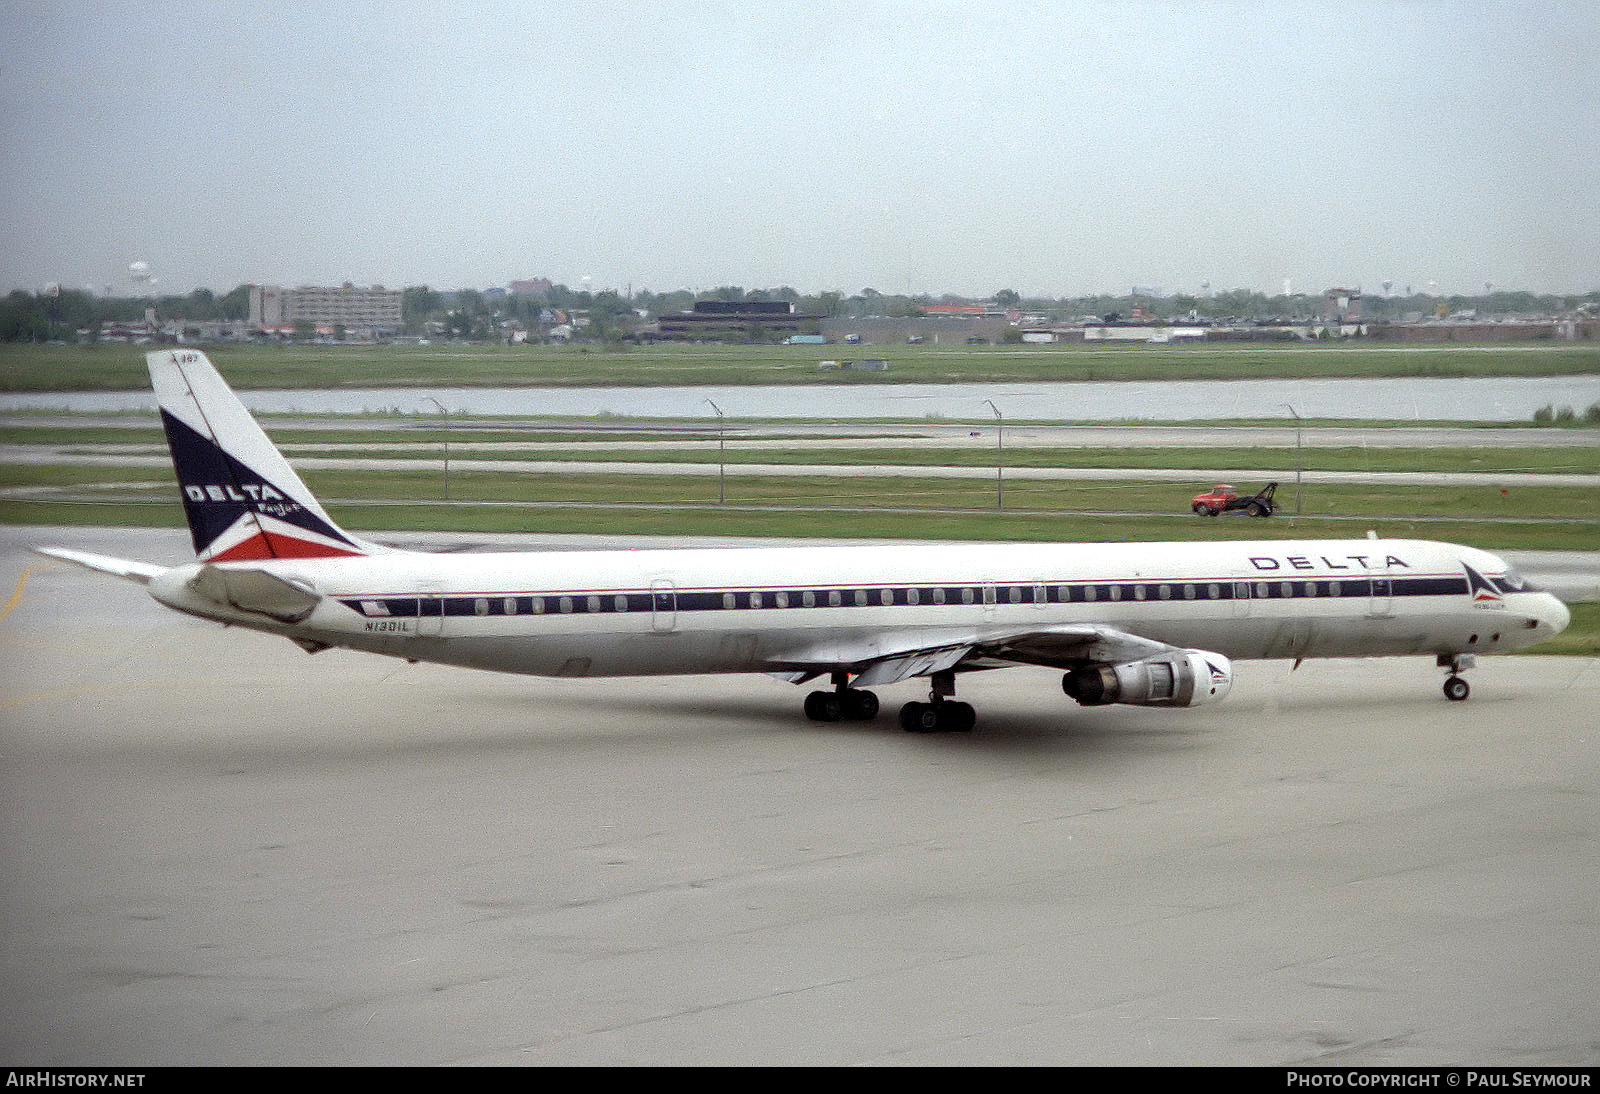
[(815, 502), (121, 367), (868, 507)]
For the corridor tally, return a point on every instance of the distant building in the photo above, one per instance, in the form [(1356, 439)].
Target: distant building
[(970, 311), (537, 286), (364, 313), (734, 320), (1344, 305)]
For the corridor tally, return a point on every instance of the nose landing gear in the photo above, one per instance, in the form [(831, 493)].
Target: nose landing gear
[(1455, 688)]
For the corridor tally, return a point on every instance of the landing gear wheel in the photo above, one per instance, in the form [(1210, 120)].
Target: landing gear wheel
[(824, 706), (860, 706), (946, 716), (958, 717), (843, 704), (1456, 689), (919, 718)]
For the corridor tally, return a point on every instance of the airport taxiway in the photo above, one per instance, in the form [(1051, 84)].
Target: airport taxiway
[(220, 850), (150, 458)]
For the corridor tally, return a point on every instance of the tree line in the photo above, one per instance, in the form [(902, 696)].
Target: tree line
[(74, 315)]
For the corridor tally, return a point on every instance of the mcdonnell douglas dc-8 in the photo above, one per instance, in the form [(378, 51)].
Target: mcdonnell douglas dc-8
[(1151, 624)]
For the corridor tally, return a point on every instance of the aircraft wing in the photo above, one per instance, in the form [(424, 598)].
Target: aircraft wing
[(1070, 643), (923, 662), (1060, 646), (128, 570)]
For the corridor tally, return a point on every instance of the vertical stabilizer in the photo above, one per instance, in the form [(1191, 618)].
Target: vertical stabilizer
[(242, 498)]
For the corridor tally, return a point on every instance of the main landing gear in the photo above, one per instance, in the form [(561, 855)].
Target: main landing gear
[(1455, 688), (941, 712), (843, 702)]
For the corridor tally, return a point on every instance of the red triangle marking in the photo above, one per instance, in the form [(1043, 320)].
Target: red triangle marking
[(265, 545)]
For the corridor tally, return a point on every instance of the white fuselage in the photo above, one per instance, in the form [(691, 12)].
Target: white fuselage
[(634, 613)]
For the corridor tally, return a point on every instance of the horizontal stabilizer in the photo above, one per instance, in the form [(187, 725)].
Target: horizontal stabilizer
[(128, 570), (256, 591)]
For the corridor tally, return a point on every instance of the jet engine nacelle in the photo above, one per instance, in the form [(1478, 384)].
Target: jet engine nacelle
[(1185, 678)]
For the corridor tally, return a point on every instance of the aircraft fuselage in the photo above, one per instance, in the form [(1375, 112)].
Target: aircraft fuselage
[(626, 613)]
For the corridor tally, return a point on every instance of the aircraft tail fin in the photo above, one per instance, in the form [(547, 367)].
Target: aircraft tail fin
[(241, 497)]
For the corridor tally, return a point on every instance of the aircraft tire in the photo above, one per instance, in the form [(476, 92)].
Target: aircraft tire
[(919, 718), (957, 717), (1456, 689), (824, 706), (860, 706), (948, 716)]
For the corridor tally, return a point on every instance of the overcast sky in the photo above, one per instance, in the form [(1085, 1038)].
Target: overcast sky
[(1054, 148)]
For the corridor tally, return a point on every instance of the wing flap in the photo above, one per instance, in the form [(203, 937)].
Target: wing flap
[(1072, 643), (889, 670)]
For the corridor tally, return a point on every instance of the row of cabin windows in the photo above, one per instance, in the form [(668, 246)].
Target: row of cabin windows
[(861, 598)]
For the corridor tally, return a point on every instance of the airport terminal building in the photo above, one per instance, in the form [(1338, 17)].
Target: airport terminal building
[(734, 320), (361, 312)]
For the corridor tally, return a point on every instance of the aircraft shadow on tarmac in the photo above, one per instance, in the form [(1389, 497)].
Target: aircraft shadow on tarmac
[(657, 718)]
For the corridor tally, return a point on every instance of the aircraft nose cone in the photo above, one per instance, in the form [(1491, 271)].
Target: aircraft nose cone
[(1557, 617)]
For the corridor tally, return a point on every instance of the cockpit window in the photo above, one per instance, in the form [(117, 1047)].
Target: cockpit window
[(1513, 582)]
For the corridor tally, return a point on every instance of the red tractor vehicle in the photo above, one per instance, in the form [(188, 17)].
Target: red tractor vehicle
[(1224, 499)]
